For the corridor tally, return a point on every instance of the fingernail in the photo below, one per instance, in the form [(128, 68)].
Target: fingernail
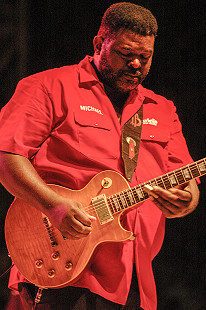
[(150, 188)]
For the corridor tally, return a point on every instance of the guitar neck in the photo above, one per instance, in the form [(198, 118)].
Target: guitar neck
[(135, 195)]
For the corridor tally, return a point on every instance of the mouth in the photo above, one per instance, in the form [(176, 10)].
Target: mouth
[(132, 76)]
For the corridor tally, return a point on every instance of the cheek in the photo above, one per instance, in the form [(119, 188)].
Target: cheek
[(117, 64)]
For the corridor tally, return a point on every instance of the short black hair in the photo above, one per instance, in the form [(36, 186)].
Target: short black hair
[(130, 16)]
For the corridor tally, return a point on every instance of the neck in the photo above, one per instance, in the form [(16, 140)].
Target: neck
[(117, 98)]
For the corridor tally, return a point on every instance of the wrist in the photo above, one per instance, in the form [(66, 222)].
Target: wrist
[(56, 215)]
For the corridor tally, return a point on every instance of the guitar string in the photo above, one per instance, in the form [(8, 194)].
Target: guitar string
[(133, 191), (165, 180), (111, 203), (115, 199)]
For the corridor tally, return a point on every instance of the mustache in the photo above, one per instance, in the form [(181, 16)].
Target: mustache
[(134, 72)]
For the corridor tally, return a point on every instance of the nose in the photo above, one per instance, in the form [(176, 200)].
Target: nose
[(135, 63)]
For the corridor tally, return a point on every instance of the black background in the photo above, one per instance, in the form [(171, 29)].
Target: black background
[(38, 35)]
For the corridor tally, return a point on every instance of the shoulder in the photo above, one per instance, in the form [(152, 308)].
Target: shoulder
[(62, 74), (50, 81), (157, 101)]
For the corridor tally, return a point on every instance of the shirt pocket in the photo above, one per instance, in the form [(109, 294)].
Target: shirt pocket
[(95, 135), (154, 150), (159, 135)]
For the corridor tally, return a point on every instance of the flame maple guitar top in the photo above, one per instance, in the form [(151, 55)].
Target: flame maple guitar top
[(39, 250)]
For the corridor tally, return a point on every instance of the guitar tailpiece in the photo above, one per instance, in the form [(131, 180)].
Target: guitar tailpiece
[(38, 297)]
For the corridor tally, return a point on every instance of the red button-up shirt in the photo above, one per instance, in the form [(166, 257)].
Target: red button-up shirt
[(62, 120)]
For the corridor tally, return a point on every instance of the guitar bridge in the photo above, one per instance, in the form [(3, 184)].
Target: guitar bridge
[(102, 209)]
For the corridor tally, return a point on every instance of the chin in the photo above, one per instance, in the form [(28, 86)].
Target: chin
[(126, 88)]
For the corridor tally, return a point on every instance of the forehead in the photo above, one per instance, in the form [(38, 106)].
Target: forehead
[(133, 41)]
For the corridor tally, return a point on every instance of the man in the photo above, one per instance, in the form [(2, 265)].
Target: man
[(65, 125)]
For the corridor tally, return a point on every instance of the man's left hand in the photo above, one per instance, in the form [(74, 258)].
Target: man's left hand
[(175, 202)]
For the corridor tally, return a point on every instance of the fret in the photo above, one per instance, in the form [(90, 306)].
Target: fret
[(202, 167), (123, 200), (172, 178), (127, 198), (166, 181), (179, 176), (112, 208), (194, 170), (153, 182), (112, 204), (117, 203), (132, 196), (145, 195), (186, 173), (160, 182), (135, 196), (139, 192)]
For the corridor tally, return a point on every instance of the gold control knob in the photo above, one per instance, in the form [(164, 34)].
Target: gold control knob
[(106, 182), (68, 266), (55, 255), (51, 273), (38, 263)]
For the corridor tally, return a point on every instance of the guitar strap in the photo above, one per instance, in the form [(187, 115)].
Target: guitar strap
[(131, 136)]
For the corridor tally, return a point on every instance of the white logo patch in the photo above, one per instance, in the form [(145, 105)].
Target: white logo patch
[(148, 121), (88, 108)]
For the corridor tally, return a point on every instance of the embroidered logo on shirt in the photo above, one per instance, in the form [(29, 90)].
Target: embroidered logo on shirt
[(148, 121), (88, 108)]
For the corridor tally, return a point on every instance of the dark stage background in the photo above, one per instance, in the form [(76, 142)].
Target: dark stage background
[(37, 35)]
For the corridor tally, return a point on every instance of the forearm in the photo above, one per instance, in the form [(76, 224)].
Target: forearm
[(20, 178)]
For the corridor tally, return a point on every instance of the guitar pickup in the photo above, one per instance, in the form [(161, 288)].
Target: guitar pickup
[(102, 209)]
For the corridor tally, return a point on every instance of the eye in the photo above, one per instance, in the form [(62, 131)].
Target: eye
[(144, 57), (126, 55)]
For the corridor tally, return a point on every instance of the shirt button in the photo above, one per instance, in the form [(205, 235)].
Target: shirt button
[(151, 136), (96, 124)]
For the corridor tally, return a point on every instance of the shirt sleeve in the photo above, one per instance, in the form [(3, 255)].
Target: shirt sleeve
[(178, 153), (26, 120)]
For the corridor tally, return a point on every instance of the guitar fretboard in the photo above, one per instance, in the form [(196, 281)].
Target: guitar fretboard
[(135, 195)]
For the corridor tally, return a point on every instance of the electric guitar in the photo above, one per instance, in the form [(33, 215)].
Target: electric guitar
[(46, 258)]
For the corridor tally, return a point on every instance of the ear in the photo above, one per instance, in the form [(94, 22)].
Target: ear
[(97, 43)]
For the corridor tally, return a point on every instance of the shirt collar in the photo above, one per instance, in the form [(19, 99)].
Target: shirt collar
[(86, 71)]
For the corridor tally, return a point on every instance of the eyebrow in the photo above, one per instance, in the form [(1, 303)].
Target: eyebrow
[(131, 49)]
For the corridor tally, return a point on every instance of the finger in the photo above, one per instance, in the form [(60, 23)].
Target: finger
[(169, 196), (72, 233), (69, 236), (173, 194), (182, 194), (80, 228), (82, 216), (149, 190), (91, 217), (168, 209)]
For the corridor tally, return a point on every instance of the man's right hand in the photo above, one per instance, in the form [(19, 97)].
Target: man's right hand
[(19, 177), (70, 218)]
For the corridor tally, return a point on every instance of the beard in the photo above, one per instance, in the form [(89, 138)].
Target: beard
[(122, 81)]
